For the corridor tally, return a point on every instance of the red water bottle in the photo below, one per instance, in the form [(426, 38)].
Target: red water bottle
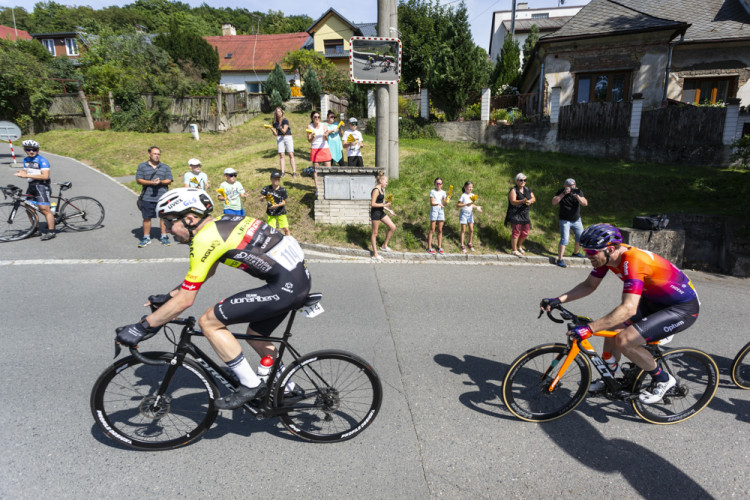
[(265, 368)]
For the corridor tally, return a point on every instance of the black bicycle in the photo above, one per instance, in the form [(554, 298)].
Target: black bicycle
[(551, 380), (163, 400), (19, 219), (741, 368)]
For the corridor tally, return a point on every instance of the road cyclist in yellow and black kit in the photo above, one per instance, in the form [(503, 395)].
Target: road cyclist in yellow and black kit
[(244, 243)]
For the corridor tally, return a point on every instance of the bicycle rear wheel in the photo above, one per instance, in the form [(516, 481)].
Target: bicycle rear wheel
[(82, 213), (697, 380), (17, 221), (126, 408), (336, 396), (741, 368), (526, 386)]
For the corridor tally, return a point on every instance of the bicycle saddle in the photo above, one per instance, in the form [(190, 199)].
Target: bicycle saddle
[(65, 186), (313, 299)]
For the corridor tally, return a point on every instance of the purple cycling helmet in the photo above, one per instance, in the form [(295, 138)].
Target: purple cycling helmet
[(600, 236)]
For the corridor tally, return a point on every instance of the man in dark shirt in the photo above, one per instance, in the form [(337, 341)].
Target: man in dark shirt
[(155, 177), (275, 197), (570, 198)]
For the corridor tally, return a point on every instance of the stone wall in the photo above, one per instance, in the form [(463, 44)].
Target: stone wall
[(668, 243)]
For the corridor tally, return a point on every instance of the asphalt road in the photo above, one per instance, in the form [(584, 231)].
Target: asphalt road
[(441, 337)]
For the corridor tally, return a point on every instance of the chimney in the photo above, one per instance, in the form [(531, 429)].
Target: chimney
[(523, 6), (228, 30)]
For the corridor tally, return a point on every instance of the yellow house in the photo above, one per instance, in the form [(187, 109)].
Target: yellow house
[(331, 34)]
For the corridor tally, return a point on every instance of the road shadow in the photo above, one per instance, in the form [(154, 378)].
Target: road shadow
[(484, 374), (652, 476), (725, 400)]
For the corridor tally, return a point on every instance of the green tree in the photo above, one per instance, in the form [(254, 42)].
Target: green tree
[(275, 99), (25, 87), (311, 88), (277, 81), (529, 44), (506, 71), (330, 78), (184, 46), (438, 50)]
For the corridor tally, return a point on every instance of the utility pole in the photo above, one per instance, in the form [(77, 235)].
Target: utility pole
[(393, 102), (382, 100), (513, 20)]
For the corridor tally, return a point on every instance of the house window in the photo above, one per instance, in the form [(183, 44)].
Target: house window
[(334, 47), (708, 90), (255, 87), (71, 46), (49, 44), (613, 86), (540, 16)]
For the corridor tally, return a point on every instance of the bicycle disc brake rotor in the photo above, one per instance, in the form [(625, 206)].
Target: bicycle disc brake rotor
[(329, 400), (153, 409)]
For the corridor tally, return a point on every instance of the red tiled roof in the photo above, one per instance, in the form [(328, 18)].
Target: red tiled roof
[(10, 33), (259, 52)]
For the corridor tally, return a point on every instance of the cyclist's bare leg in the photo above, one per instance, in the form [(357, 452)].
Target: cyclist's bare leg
[(262, 347), (48, 216), (220, 338), (630, 343)]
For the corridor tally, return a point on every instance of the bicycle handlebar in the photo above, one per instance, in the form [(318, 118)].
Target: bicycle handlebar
[(146, 360), (565, 315)]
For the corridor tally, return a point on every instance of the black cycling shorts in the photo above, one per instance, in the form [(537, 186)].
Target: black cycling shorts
[(40, 192), (656, 321), (266, 307)]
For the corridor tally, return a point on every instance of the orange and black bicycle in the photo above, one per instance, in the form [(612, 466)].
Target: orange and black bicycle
[(550, 380), (741, 368)]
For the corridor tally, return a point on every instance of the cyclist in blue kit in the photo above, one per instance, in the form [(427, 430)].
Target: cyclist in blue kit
[(36, 170)]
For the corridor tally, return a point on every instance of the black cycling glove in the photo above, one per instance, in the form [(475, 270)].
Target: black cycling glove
[(552, 303), (131, 335), (158, 300)]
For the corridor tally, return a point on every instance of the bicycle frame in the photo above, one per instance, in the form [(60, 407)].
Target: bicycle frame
[(225, 377), (586, 348)]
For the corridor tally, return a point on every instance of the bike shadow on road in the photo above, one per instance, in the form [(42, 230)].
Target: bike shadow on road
[(240, 424), (487, 375), (577, 437), (723, 401)]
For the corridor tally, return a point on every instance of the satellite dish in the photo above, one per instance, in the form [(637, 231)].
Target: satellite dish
[(9, 131)]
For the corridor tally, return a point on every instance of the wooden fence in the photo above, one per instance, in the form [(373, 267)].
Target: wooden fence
[(595, 120), (677, 126), (527, 103)]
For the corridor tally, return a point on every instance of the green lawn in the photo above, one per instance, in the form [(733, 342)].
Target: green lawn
[(616, 190)]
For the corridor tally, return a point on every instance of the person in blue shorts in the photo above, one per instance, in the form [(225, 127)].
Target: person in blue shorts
[(36, 170)]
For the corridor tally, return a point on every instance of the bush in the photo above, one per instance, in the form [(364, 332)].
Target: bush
[(311, 88), (139, 119), (277, 81), (742, 151), (499, 115), (407, 108), (473, 112), (275, 99)]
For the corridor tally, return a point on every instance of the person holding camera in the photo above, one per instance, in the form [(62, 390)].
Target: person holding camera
[(570, 198)]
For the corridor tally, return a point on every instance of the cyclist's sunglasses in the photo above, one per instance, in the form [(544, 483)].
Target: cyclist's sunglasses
[(590, 252), (30, 149), (169, 222)]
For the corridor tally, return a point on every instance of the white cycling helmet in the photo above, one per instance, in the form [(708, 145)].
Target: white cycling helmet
[(182, 201), (31, 144)]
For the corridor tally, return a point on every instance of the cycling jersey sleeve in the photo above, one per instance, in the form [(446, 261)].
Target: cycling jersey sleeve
[(206, 248)]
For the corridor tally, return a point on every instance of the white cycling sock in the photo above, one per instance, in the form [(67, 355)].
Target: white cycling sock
[(245, 374)]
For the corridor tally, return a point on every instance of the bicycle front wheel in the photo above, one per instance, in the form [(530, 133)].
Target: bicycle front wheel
[(526, 386), (741, 368), (17, 221), (697, 380), (126, 407), (335, 395), (82, 213)]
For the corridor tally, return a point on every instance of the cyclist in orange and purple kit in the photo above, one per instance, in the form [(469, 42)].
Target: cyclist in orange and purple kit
[(658, 300)]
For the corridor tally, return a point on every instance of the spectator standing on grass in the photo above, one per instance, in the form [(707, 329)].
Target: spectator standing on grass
[(284, 142), (520, 198), (37, 172), (275, 197), (320, 153), (570, 198), (195, 178), (334, 139), (353, 140), (233, 193), (378, 207), (438, 200), (155, 178), (466, 215)]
